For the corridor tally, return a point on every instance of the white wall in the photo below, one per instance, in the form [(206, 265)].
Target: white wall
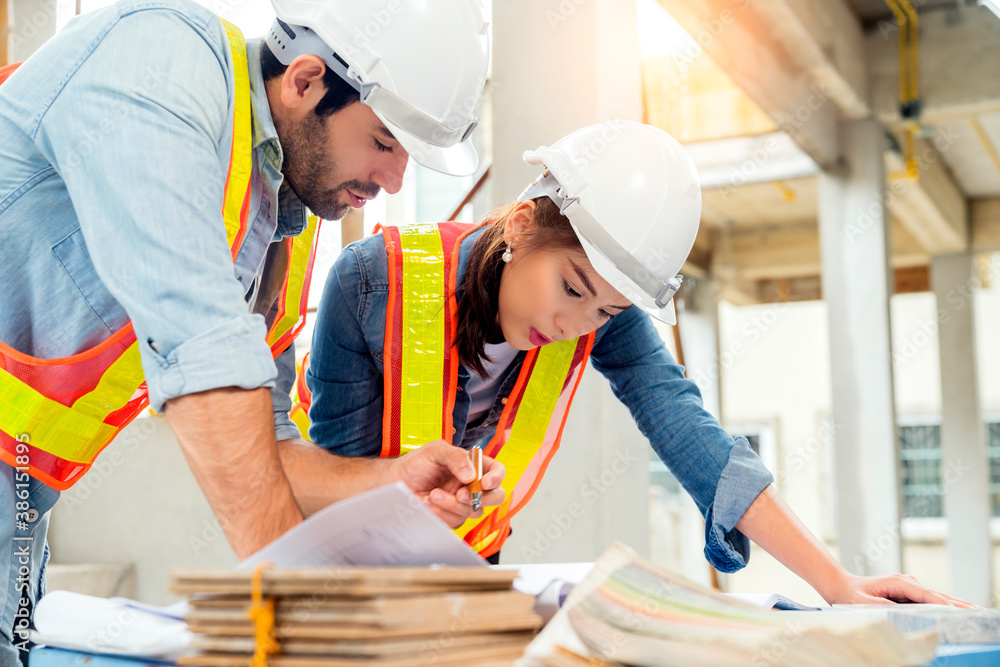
[(594, 491), (915, 355), (140, 504), (32, 23), (776, 371)]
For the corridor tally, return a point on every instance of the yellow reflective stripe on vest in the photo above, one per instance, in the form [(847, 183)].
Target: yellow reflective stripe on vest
[(241, 156), (74, 434), (50, 424), (424, 287), (530, 423), (298, 265), (117, 386)]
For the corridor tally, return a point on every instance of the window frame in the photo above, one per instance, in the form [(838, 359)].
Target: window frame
[(935, 529), (916, 420)]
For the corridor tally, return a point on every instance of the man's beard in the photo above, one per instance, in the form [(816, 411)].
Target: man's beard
[(307, 164)]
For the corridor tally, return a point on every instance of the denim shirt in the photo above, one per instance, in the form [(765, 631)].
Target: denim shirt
[(345, 377), (115, 141)]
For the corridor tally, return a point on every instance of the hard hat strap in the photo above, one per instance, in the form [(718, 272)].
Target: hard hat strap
[(594, 232), (289, 42)]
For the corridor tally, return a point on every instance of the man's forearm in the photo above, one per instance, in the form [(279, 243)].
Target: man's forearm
[(319, 478), (772, 524), (227, 436)]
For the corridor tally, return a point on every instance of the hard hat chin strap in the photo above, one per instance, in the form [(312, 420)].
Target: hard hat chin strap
[(594, 232)]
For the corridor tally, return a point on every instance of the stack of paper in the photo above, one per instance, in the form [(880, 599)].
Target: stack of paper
[(550, 583), (385, 526), (116, 626), (348, 616), (630, 611), (773, 601)]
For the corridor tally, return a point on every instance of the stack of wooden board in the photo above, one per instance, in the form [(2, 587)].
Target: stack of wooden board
[(349, 616)]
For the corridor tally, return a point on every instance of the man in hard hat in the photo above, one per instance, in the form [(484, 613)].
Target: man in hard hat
[(156, 178)]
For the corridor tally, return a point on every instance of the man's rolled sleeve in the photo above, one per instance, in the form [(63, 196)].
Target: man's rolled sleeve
[(281, 396), (742, 480), (232, 354)]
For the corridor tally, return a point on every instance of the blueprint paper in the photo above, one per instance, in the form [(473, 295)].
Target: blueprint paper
[(386, 526)]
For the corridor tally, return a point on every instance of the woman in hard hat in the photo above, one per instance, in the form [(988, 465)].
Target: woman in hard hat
[(478, 335)]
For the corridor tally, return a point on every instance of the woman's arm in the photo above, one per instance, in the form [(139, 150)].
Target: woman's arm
[(723, 476), (730, 485), (770, 522)]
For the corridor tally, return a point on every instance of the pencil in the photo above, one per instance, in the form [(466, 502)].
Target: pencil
[(476, 485)]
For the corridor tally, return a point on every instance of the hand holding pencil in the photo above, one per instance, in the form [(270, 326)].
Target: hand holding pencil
[(443, 477)]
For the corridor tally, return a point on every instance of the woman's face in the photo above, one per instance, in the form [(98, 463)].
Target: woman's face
[(551, 295)]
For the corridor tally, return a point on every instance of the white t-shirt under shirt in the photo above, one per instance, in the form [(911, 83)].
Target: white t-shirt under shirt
[(483, 391)]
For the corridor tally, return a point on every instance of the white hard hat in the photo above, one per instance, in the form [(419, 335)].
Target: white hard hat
[(420, 66), (631, 193)]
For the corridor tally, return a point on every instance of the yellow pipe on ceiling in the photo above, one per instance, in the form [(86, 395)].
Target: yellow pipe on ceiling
[(909, 83)]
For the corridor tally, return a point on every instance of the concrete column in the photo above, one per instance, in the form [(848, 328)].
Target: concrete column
[(352, 226), (6, 15), (34, 22), (964, 459), (853, 225), (400, 208), (558, 66)]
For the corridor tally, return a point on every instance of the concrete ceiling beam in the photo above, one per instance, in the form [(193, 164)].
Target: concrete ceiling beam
[(986, 224), (755, 53), (825, 39), (931, 207), (958, 56)]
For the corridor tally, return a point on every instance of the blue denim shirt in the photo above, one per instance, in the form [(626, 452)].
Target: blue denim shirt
[(345, 376), (114, 148)]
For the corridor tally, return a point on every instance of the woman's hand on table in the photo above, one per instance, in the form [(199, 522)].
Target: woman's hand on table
[(889, 589)]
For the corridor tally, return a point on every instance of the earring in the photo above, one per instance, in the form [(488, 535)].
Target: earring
[(506, 254)]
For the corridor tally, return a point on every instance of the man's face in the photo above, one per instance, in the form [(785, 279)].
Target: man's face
[(341, 160)]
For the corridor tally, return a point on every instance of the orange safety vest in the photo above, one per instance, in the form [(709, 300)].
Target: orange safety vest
[(7, 70), (421, 376), (57, 415)]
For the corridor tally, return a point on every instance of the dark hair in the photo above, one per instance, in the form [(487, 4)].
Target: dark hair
[(480, 290), (339, 93)]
